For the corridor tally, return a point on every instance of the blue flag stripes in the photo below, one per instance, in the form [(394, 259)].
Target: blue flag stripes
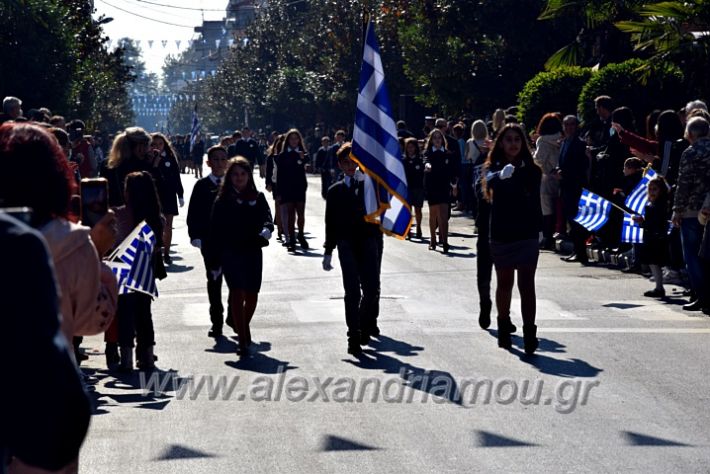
[(593, 211), (195, 129), (631, 231), (132, 262), (376, 149), (637, 200)]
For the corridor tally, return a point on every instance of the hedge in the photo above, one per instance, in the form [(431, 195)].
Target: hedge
[(661, 89), (551, 91)]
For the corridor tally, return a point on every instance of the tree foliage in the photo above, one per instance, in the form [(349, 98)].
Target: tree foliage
[(54, 55)]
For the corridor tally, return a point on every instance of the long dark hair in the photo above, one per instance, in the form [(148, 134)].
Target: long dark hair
[(168, 148), (142, 200), (227, 190), (430, 142), (670, 128), (413, 140), (496, 156), (285, 145)]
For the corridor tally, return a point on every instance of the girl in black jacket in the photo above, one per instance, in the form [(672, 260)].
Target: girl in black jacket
[(512, 187), (291, 166), (439, 182), (414, 169), (240, 226), (170, 189)]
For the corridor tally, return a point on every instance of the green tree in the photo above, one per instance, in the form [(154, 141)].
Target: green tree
[(675, 32), (54, 55), (461, 56), (595, 39)]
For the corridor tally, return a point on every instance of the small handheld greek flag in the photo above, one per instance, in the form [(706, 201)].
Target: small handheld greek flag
[(376, 147), (637, 200), (593, 211), (132, 262), (631, 232)]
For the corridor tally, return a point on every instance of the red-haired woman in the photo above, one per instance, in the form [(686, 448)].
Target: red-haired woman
[(240, 226), (512, 186)]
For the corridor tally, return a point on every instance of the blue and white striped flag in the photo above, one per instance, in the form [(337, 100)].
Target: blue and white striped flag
[(593, 211), (136, 254), (637, 200), (631, 232), (195, 129), (376, 147)]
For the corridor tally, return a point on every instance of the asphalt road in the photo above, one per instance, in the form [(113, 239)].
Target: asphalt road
[(623, 380)]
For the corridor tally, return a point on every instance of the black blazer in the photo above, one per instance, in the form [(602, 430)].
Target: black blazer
[(345, 215), (235, 225), (198, 213)]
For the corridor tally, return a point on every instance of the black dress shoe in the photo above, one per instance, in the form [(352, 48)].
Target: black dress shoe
[(484, 317), (167, 259), (354, 349), (303, 242), (693, 306), (446, 248), (530, 339), (214, 332), (374, 331), (364, 339), (504, 339)]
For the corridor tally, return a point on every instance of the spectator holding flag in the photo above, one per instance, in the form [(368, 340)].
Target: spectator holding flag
[(512, 186), (135, 319), (654, 221), (240, 226)]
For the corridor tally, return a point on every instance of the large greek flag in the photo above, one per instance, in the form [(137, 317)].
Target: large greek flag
[(593, 211), (376, 147), (195, 129), (132, 262), (631, 232), (637, 200)]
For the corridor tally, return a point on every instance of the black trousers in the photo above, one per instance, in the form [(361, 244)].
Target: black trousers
[(135, 320), (326, 180), (360, 264), (214, 294), (484, 260)]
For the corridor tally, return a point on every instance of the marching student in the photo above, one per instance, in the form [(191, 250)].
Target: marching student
[(135, 319), (654, 251), (512, 187), (439, 181), (292, 164), (198, 227), (414, 169), (270, 178), (240, 226), (359, 246), (169, 188)]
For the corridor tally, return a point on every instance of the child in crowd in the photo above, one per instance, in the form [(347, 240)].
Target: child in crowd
[(655, 247), (198, 227)]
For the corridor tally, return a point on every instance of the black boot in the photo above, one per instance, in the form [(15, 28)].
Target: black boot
[(530, 338), (504, 339), (484, 317), (291, 246)]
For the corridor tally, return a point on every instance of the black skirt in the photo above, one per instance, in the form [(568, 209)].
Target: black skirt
[(515, 254), (654, 251), (242, 270)]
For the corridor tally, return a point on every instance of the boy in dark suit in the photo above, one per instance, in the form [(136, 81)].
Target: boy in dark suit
[(359, 252), (198, 224)]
